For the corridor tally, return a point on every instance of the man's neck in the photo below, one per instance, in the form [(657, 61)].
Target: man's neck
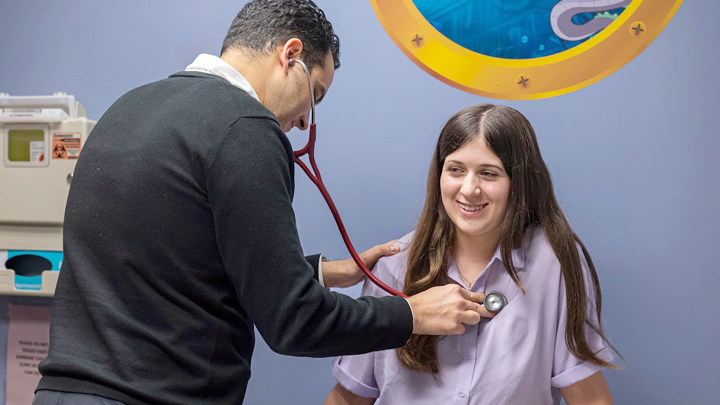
[(256, 70)]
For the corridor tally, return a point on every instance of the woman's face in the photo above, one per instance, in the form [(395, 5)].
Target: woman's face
[(475, 189)]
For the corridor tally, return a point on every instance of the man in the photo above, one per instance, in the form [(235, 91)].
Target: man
[(180, 234)]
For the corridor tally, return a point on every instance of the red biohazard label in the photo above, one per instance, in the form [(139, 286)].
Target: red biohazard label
[(66, 145)]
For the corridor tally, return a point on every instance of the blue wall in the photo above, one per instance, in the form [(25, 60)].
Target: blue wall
[(634, 159)]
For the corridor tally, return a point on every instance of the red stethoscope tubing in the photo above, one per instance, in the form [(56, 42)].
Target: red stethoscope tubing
[(309, 149)]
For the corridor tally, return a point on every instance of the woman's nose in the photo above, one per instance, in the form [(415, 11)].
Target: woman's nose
[(470, 186)]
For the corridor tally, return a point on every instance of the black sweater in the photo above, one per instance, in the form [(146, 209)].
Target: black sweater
[(179, 238)]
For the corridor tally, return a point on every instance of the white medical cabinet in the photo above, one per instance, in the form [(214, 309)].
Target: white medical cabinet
[(41, 138)]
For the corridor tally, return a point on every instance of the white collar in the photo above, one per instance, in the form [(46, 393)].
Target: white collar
[(215, 66)]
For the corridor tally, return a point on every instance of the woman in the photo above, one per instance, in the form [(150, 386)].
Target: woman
[(490, 223)]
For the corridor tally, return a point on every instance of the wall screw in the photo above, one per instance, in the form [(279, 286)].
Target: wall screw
[(522, 81), (418, 41), (637, 29)]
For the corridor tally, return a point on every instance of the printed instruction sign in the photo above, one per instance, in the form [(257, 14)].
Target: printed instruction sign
[(66, 145), (28, 342), (37, 151)]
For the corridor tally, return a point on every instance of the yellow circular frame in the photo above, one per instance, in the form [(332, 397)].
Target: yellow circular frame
[(525, 79)]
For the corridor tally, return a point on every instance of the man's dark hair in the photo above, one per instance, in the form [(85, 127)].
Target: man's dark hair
[(262, 25)]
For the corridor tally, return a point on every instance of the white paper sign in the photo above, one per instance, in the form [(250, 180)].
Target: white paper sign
[(28, 341)]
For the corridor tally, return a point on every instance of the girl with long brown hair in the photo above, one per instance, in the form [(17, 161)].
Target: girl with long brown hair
[(491, 222)]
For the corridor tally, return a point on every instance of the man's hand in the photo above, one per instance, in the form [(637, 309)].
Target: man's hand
[(445, 310), (345, 273)]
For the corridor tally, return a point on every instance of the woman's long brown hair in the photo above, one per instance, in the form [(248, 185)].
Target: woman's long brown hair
[(531, 203)]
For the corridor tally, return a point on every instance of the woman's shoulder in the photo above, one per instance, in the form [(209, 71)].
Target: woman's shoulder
[(539, 251), (405, 241), (396, 265), (536, 238)]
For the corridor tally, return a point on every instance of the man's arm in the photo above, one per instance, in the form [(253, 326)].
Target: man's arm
[(314, 261), (250, 190)]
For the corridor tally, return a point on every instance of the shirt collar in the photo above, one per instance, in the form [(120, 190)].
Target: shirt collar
[(215, 66), (517, 256)]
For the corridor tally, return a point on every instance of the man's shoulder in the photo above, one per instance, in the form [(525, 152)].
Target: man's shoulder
[(202, 109), (210, 90)]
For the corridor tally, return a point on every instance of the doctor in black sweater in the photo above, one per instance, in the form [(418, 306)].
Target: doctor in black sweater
[(180, 234)]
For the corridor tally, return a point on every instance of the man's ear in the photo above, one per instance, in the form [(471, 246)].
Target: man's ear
[(291, 50)]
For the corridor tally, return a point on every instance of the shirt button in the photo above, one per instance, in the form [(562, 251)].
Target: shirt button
[(462, 394), (468, 357)]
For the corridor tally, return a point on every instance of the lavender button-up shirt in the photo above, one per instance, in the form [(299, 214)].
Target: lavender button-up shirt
[(518, 357)]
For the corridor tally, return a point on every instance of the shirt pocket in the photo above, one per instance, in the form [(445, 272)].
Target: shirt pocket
[(507, 331)]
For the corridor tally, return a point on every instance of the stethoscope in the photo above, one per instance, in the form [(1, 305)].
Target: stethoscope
[(493, 302)]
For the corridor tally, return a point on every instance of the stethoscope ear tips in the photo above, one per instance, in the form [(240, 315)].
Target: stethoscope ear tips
[(494, 301)]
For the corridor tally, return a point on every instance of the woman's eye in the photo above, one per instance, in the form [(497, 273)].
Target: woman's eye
[(489, 174)]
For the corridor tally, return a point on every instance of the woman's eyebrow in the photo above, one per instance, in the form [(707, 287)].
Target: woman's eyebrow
[(483, 165), (492, 166)]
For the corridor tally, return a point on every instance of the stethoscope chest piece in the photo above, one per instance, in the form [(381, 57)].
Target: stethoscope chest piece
[(494, 301)]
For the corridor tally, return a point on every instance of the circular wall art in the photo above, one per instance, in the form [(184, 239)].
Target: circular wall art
[(523, 49)]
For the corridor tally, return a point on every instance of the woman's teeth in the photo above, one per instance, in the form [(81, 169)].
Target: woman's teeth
[(472, 208)]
